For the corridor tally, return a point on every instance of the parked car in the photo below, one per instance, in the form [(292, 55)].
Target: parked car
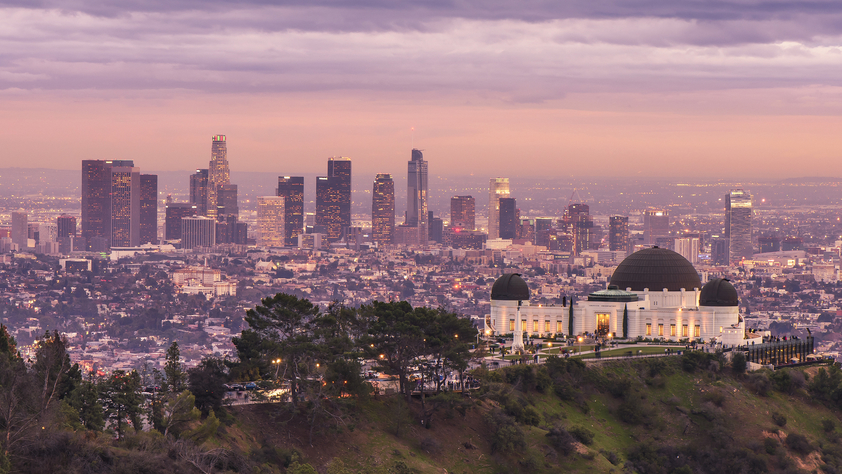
[(251, 386), (237, 387)]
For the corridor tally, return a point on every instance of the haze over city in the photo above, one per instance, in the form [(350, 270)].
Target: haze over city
[(738, 89)]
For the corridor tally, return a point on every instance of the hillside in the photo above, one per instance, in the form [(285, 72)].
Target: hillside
[(684, 414)]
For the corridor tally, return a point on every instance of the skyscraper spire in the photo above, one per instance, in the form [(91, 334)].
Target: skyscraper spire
[(218, 173)]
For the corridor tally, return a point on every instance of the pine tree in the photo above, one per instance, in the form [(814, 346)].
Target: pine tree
[(174, 369), (570, 319), (626, 321)]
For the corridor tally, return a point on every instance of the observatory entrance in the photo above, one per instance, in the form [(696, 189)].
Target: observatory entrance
[(602, 324)]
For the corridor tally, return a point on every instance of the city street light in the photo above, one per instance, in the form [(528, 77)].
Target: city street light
[(278, 363), (579, 340)]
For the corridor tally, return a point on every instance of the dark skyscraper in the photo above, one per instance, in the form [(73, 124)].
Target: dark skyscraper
[(618, 233), (175, 211), (656, 224), (333, 198), (719, 251), (463, 212), (65, 226), (199, 191), (580, 224), (291, 188), (436, 228), (508, 218), (148, 209), (738, 225), (227, 202), (125, 204), (383, 209), (416, 194), (96, 199)]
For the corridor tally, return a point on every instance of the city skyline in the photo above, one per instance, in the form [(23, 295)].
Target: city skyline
[(723, 86)]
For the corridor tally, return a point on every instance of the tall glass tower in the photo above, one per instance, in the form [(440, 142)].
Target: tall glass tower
[(498, 188), (383, 209), (291, 188), (416, 195), (738, 225), (333, 198), (218, 173)]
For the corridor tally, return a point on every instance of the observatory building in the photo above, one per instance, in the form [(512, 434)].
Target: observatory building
[(658, 289)]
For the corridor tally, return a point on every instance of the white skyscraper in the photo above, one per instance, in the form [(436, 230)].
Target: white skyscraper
[(270, 221), (218, 173), (498, 188), (688, 248)]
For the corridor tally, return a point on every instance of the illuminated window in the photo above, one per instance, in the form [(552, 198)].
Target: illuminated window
[(697, 331), (546, 326), (648, 329), (558, 327), (672, 330), (511, 325), (660, 329), (523, 325), (684, 332), (535, 326)]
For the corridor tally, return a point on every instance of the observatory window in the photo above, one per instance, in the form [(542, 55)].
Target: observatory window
[(697, 331), (660, 329), (684, 332), (648, 329), (558, 327), (672, 330), (546, 326), (511, 325)]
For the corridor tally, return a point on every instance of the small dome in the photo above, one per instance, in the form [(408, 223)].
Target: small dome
[(511, 287), (656, 269), (613, 294), (719, 292)]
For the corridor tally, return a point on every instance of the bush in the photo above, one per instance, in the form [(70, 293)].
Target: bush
[(799, 444), (779, 419), (430, 445), (738, 363), (770, 445), (716, 397), (561, 440), (759, 383), (507, 436), (782, 381), (583, 435), (611, 456), (828, 426)]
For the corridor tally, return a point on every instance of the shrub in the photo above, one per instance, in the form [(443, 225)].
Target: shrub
[(430, 445), (507, 436), (738, 363), (779, 419), (770, 445), (583, 435), (611, 456), (782, 381), (716, 397), (828, 426), (759, 383), (561, 440), (799, 444)]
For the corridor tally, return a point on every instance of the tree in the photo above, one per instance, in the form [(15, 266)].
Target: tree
[(738, 363), (122, 399), (395, 338), (85, 400), (52, 363), (174, 369), (206, 382), (18, 407), (625, 321), (570, 319), (177, 410)]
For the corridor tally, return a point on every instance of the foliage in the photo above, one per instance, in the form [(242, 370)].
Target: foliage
[(174, 369), (206, 382), (121, 399), (561, 440), (582, 434), (779, 419), (799, 444), (738, 363)]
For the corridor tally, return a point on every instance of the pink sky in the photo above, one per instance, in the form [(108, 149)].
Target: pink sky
[(737, 90)]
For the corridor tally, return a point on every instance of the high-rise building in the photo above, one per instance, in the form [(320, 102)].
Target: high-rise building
[(291, 188), (218, 173), (416, 195), (383, 209), (66, 226), (20, 229), (688, 247), (270, 221), (738, 225), (579, 224), (175, 212), (719, 251), (656, 223), (498, 187), (463, 212), (227, 202), (198, 231), (199, 191), (148, 209), (333, 198), (508, 218), (96, 199), (125, 204), (436, 228), (618, 233), (769, 243)]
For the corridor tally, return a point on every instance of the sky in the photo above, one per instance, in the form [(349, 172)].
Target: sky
[(707, 89)]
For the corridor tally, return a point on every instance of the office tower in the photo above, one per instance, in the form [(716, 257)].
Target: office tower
[(125, 204), (498, 187), (526, 230), (199, 191), (416, 195), (148, 209), (20, 229), (688, 247), (291, 188), (463, 212), (769, 243), (175, 212), (656, 223), (96, 199), (218, 173), (508, 218), (738, 225), (66, 226), (270, 221), (792, 243), (333, 198), (227, 202), (198, 231), (436, 228), (579, 223), (719, 251), (618, 233), (383, 209)]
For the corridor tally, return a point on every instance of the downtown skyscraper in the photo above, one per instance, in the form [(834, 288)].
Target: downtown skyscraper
[(218, 174), (199, 191), (498, 188), (383, 209), (291, 188), (463, 213), (111, 202), (618, 233), (738, 225), (148, 209), (416, 195), (333, 198), (508, 218)]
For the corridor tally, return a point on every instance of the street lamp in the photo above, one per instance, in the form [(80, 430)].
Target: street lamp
[(579, 340), (278, 363)]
